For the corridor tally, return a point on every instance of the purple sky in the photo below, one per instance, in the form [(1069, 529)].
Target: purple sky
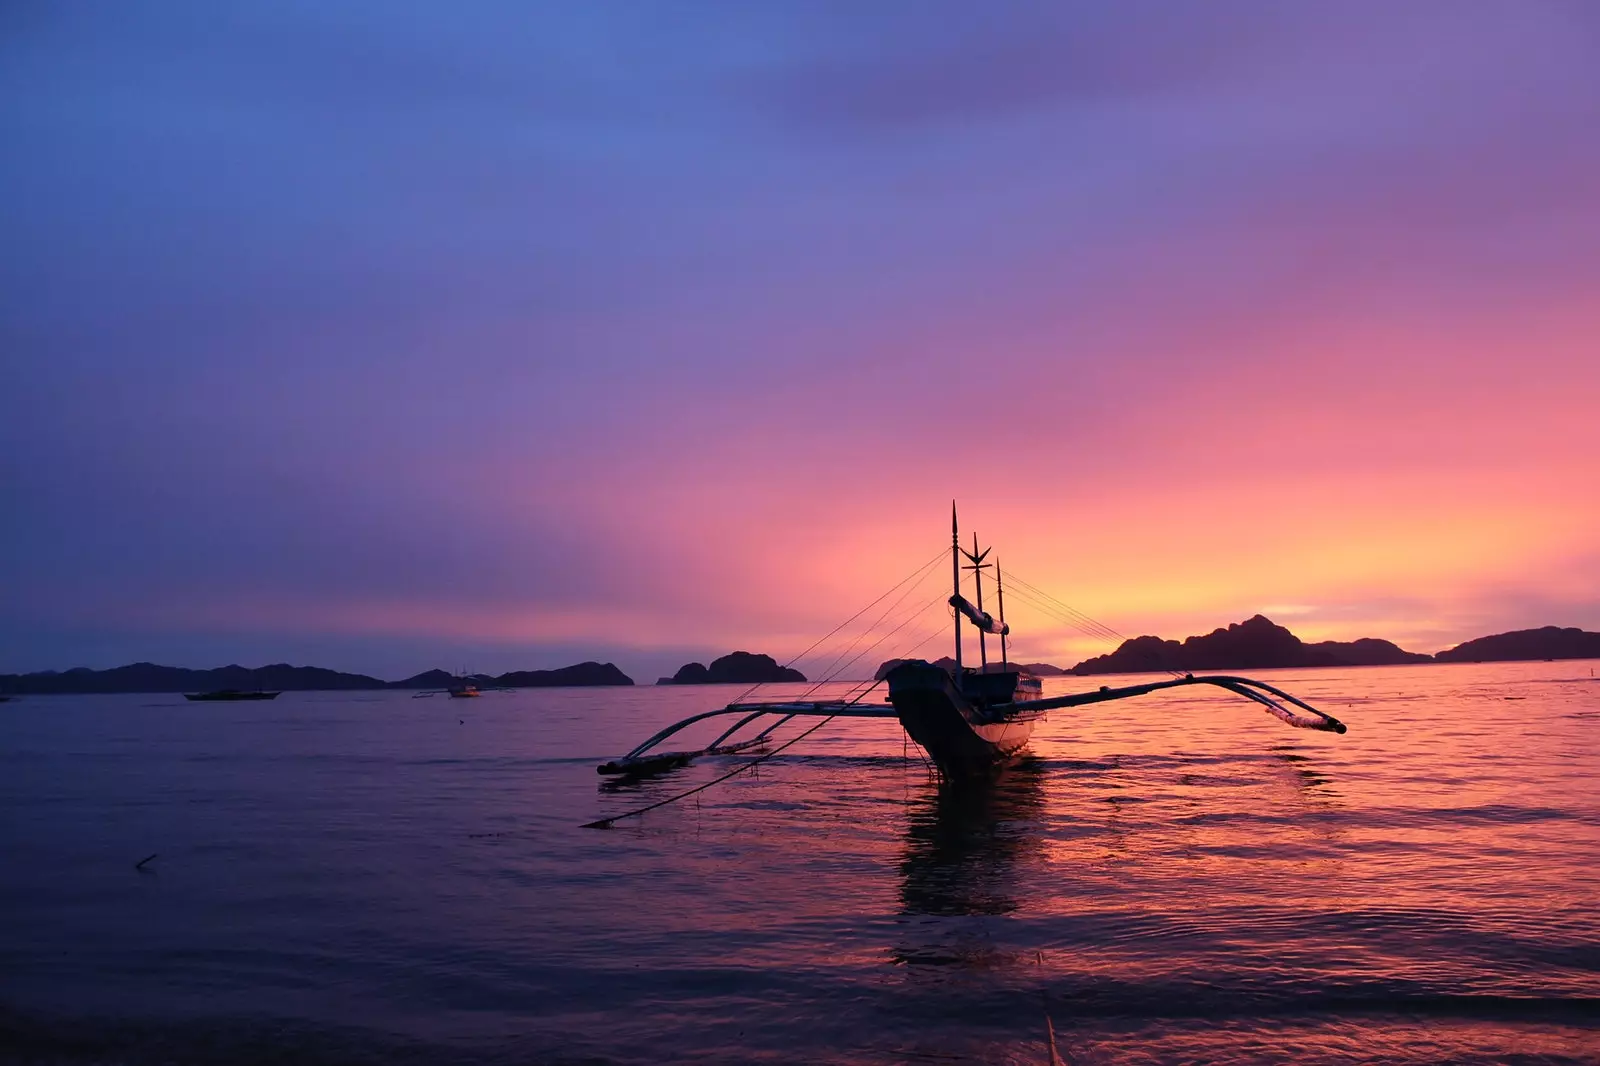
[(385, 336)]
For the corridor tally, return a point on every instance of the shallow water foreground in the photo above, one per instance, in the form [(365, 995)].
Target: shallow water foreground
[(371, 878)]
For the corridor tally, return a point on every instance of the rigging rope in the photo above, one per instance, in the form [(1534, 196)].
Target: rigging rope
[(913, 616), (1079, 620), (837, 666), (1043, 601), (815, 644), (870, 685)]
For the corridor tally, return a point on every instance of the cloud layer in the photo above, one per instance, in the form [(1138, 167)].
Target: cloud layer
[(522, 329)]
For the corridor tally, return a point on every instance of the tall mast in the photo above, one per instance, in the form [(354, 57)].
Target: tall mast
[(1000, 593), (977, 579), (955, 576), (978, 566)]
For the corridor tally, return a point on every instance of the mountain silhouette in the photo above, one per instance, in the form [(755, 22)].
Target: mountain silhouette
[(1550, 642), (1257, 643), (735, 668)]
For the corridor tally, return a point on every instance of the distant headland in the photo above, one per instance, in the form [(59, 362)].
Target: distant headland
[(148, 677), (1258, 643), (1254, 644), (1551, 642), (735, 668)]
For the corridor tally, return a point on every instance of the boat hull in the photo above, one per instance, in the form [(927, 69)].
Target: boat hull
[(964, 736)]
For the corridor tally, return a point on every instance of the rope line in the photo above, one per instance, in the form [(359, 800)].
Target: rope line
[(920, 576), (839, 664), (1065, 613), (607, 823), (827, 636), (913, 616), (870, 685)]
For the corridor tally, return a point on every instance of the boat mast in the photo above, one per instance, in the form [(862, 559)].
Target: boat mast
[(1000, 593), (955, 575), (977, 579)]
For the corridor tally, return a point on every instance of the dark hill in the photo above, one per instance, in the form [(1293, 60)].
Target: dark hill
[(148, 677), (736, 668), (1254, 644), (427, 679), (588, 673), (949, 664), (1550, 642), (1368, 651)]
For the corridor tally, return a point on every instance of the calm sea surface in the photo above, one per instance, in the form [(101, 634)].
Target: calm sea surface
[(374, 878)]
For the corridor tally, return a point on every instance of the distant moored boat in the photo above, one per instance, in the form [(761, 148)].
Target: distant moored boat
[(229, 694)]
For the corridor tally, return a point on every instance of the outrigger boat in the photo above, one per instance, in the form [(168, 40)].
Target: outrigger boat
[(969, 721)]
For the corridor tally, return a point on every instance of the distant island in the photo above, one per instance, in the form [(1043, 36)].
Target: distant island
[(1254, 644), (148, 677), (1258, 643), (586, 673), (736, 668), (1550, 642)]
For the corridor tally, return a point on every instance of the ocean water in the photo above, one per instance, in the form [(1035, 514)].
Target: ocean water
[(1181, 878)]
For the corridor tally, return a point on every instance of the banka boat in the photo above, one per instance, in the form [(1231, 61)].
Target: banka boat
[(970, 721)]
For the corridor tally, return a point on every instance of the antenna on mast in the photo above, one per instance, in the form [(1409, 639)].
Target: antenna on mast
[(978, 567)]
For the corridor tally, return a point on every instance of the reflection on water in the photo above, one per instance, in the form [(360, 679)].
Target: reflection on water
[(969, 845), (967, 841), (1182, 879), (1310, 777)]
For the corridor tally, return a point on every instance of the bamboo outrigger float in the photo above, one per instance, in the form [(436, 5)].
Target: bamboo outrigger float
[(968, 720)]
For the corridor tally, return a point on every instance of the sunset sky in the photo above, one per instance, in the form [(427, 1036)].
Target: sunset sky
[(384, 336)]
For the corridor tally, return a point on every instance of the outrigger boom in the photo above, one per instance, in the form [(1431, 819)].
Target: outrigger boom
[(642, 760), (969, 721)]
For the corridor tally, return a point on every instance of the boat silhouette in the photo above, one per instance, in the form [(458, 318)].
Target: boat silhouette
[(970, 721), (223, 695)]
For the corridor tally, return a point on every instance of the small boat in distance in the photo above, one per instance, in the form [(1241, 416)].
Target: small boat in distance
[(969, 721), (229, 694), (462, 686)]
